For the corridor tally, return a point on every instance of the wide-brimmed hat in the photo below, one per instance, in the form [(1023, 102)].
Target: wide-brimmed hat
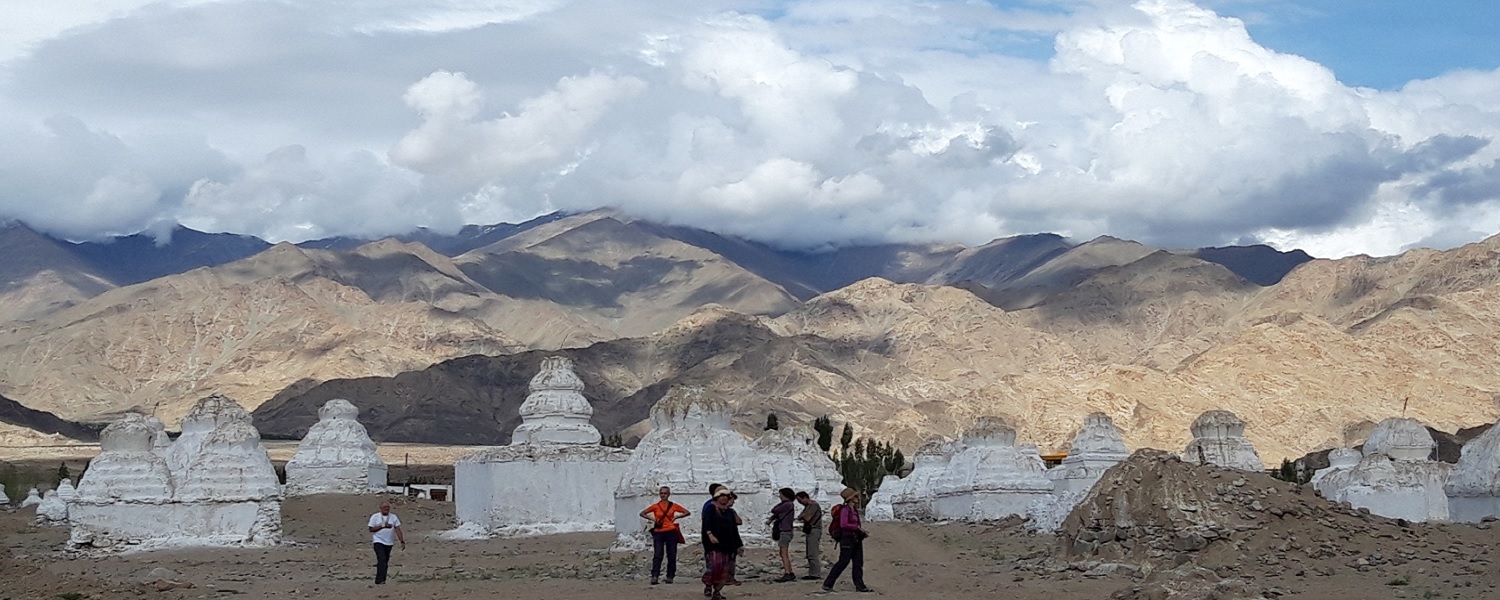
[(723, 491), (848, 494)]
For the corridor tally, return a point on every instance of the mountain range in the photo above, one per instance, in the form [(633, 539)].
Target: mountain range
[(435, 336)]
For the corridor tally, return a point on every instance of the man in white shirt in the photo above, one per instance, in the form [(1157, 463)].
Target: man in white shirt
[(386, 531)]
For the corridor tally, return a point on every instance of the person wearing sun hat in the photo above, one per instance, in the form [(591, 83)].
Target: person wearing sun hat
[(850, 534), (721, 542)]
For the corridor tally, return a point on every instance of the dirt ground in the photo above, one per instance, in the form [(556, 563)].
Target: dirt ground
[(327, 555)]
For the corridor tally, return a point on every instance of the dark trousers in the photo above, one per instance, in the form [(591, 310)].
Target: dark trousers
[(663, 540), (382, 561), (851, 549)]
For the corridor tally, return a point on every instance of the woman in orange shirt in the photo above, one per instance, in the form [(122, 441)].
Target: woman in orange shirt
[(665, 534)]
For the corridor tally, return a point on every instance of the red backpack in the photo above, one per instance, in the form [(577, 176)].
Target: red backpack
[(834, 529)]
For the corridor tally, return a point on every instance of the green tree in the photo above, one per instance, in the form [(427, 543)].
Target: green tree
[(865, 462), (845, 438), (824, 426), (62, 473), (612, 441), (772, 422)]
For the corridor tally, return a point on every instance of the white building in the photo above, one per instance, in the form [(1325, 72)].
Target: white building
[(336, 456), (1474, 488), (223, 490), (1394, 477), (554, 477), (1219, 438)]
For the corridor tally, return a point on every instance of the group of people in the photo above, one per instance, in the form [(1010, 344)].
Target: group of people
[(722, 544)]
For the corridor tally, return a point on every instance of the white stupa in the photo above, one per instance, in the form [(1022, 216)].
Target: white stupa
[(4, 498), (160, 441), (990, 478), (912, 500), (880, 508), (224, 490), (690, 446), (1394, 477), (1473, 489), (1219, 438), (33, 498), (790, 457), (336, 456), (1339, 460), (554, 477), (66, 491), (1097, 447), (52, 510)]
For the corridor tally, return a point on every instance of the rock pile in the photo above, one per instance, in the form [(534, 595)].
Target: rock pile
[(1154, 512)]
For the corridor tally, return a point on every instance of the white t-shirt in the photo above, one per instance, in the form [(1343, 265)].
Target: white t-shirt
[(387, 535)]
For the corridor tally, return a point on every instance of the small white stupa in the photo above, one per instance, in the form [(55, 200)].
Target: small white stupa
[(66, 491), (554, 477), (1339, 460), (1097, 447), (1474, 488), (1394, 477), (690, 446), (33, 498), (4, 498), (160, 441), (1219, 438), (880, 508), (912, 500), (52, 510), (990, 478), (224, 490), (336, 456)]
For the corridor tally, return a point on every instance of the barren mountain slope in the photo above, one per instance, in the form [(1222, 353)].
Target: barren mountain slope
[(38, 277), (1347, 291), (1065, 270), (618, 275), (1155, 311), (247, 329)]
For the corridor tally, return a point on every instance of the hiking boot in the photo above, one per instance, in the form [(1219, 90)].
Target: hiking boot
[(786, 577), (654, 581), (824, 591), (669, 580), (708, 591), (864, 589), (811, 577)]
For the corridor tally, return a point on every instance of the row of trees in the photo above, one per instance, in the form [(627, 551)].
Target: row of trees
[(863, 462)]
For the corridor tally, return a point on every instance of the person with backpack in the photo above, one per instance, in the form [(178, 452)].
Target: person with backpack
[(665, 533), (844, 527), (782, 521)]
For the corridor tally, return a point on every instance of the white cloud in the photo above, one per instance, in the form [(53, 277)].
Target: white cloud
[(801, 123)]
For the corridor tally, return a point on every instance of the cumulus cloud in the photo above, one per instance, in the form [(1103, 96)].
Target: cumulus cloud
[(807, 124)]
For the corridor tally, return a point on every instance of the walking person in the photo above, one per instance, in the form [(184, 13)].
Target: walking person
[(811, 518), (782, 519), (665, 533), (385, 530), (850, 534), (713, 488), (721, 542)]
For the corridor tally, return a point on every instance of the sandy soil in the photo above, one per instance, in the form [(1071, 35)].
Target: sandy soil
[(327, 555)]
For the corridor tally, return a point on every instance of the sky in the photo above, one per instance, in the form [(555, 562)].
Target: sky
[(1335, 126)]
